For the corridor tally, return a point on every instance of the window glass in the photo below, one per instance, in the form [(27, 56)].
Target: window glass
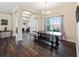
[(53, 23)]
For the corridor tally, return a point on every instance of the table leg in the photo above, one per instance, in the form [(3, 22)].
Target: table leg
[(54, 42), (51, 40)]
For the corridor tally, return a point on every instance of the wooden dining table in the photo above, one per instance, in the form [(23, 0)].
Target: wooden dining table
[(52, 37)]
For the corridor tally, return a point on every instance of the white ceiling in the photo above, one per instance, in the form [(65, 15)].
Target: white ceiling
[(37, 7), (7, 7)]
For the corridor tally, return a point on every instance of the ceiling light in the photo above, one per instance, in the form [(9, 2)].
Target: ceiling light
[(26, 12), (45, 12)]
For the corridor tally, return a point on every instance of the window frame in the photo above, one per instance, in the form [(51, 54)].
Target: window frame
[(52, 23)]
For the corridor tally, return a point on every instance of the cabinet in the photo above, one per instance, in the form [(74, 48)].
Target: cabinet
[(6, 33)]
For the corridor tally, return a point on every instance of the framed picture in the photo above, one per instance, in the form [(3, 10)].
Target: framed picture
[(4, 22)]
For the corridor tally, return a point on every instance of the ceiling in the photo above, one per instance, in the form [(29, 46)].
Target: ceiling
[(36, 7), (7, 7)]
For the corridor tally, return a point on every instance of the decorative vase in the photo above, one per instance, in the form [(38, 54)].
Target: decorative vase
[(5, 28)]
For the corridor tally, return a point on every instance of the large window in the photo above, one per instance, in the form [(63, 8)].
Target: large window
[(53, 24)]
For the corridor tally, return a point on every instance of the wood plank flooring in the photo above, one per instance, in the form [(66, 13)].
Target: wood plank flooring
[(34, 48)]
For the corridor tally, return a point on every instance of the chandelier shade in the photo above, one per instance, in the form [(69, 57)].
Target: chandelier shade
[(45, 12)]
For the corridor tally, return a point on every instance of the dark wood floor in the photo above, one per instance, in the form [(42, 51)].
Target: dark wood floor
[(34, 48)]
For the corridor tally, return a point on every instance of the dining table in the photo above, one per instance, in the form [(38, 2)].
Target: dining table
[(52, 37)]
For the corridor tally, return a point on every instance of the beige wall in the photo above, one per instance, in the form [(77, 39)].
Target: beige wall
[(14, 23), (7, 17), (69, 20), (41, 23)]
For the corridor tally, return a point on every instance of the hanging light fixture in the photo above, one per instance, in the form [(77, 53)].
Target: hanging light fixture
[(46, 12)]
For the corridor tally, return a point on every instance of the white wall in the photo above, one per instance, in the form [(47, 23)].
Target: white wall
[(14, 15), (9, 18)]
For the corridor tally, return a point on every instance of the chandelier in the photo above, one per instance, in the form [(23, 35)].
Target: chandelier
[(45, 12)]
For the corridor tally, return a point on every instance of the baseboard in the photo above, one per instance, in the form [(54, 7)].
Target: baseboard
[(70, 41), (8, 37)]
